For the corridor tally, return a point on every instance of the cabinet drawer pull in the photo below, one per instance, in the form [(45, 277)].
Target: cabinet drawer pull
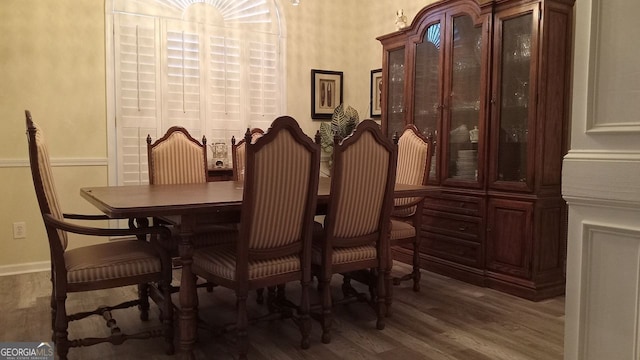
[(463, 228)]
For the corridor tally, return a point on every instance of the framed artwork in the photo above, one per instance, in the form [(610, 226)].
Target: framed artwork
[(326, 93), (375, 97)]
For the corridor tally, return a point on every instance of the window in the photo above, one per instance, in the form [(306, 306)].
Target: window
[(211, 66)]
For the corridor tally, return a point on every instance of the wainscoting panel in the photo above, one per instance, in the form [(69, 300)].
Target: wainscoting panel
[(613, 75), (610, 293)]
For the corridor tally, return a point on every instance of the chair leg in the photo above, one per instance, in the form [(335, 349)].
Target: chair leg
[(143, 296), (166, 316), (388, 283), (271, 299), (260, 296), (381, 308), (241, 325), (61, 324), (416, 264), (53, 311), (305, 320), (326, 318)]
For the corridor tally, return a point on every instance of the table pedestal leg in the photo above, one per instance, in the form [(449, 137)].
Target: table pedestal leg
[(188, 302)]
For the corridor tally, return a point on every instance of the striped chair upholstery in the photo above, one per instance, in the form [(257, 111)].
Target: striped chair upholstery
[(413, 151), (275, 230), (112, 260), (238, 153), (101, 266), (414, 163), (177, 158), (356, 228)]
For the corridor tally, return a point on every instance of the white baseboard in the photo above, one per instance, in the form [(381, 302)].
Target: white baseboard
[(25, 268)]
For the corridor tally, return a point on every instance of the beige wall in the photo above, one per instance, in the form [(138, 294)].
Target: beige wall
[(52, 61)]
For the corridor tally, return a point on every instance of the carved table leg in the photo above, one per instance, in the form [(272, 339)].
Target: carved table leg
[(188, 297)]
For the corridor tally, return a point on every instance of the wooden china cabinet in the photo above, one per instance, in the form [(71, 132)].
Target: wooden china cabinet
[(489, 81)]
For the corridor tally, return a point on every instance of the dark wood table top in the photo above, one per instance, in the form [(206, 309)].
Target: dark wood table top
[(163, 200)]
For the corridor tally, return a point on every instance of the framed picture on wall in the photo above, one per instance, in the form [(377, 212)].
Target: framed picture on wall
[(326, 93), (375, 97)]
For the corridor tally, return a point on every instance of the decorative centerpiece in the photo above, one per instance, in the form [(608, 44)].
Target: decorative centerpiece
[(342, 124)]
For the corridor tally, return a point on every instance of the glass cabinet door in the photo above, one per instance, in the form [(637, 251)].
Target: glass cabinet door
[(464, 99), (395, 92), (514, 100), (427, 87)]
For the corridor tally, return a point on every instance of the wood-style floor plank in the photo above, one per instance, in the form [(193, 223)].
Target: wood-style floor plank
[(447, 320)]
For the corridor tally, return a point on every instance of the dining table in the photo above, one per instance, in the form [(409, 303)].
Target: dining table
[(189, 205)]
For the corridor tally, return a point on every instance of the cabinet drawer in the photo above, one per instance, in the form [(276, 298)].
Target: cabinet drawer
[(459, 204), (451, 249), (454, 225)]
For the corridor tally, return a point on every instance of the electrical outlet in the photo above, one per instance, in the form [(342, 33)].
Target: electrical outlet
[(19, 230)]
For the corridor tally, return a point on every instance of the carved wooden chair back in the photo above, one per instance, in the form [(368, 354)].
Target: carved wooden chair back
[(414, 162), (177, 158), (238, 157)]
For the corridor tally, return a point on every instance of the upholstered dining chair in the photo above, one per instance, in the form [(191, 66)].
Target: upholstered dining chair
[(177, 158), (414, 162), (238, 152), (111, 264), (274, 242), (357, 224)]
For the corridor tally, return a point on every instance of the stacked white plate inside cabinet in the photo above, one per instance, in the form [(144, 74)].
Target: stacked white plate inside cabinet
[(466, 164)]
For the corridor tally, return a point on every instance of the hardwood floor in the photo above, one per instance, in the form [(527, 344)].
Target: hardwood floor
[(448, 320)]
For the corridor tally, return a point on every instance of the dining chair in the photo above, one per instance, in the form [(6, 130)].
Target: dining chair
[(414, 162), (238, 152), (274, 242), (111, 264), (177, 158), (357, 223)]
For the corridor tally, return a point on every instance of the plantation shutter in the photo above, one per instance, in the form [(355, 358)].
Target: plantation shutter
[(263, 84), (137, 93), (182, 88), (224, 102)]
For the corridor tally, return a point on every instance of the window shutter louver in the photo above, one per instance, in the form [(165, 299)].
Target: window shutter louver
[(224, 112), (182, 90), (137, 94), (263, 86)]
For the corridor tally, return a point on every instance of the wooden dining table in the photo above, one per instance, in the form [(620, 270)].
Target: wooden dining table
[(190, 205)]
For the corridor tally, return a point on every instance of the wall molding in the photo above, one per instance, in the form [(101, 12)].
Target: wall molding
[(603, 243), (602, 155), (25, 268), (56, 162), (608, 178)]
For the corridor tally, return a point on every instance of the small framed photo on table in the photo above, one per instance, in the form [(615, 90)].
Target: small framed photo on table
[(326, 93), (375, 98)]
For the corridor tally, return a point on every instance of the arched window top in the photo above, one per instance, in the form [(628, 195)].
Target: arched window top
[(256, 15)]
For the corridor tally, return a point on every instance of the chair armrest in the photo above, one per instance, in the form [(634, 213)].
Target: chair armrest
[(85, 230), (86, 217), (410, 204)]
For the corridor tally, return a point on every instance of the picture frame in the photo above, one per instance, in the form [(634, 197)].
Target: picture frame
[(326, 92), (375, 93)]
